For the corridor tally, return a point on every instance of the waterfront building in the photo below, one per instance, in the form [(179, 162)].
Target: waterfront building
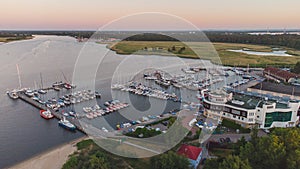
[(251, 109)]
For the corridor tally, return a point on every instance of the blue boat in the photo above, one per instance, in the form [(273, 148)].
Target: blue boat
[(66, 124)]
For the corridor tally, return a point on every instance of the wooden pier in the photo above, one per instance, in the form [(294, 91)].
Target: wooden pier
[(56, 114)]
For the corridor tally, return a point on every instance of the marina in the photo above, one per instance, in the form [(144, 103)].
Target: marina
[(55, 107), (193, 78), (154, 83), (22, 95), (24, 110)]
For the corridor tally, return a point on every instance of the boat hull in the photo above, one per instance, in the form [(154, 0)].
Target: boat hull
[(66, 127), (45, 116), (12, 96)]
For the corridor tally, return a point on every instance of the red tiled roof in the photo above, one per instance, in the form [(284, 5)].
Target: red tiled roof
[(190, 152), (280, 73)]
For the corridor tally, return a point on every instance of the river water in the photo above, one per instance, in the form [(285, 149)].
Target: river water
[(23, 133), (273, 53)]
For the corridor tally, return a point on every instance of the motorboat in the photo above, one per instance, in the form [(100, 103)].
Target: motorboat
[(46, 114), (66, 124)]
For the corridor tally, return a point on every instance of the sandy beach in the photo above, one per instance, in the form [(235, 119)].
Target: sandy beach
[(52, 159)]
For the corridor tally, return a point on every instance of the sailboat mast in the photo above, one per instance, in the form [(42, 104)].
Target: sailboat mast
[(19, 77), (293, 92), (41, 81), (64, 77)]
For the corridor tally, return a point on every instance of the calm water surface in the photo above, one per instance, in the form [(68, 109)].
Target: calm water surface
[(273, 53)]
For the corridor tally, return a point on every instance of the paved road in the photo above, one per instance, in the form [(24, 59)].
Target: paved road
[(251, 83)]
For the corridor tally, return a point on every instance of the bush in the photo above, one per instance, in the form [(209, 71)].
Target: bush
[(144, 132), (71, 163), (84, 144)]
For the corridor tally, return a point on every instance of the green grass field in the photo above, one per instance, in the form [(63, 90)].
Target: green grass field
[(217, 53)]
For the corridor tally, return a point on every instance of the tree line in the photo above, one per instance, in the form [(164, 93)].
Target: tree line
[(286, 40), (281, 149)]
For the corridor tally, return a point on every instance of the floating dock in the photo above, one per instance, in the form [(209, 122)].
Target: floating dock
[(56, 114)]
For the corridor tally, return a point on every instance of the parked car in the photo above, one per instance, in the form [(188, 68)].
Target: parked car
[(228, 140), (222, 140), (266, 131)]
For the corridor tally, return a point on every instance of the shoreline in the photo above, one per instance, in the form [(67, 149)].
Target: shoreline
[(53, 158), (15, 39)]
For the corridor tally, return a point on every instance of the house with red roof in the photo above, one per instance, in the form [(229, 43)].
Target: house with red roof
[(194, 154)]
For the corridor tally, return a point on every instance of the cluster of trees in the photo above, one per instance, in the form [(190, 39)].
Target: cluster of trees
[(281, 149), (173, 49), (91, 156), (143, 132), (287, 40), (296, 69), (150, 37), (169, 160), (92, 159), (10, 36)]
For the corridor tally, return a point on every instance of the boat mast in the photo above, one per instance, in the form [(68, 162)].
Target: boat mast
[(19, 77), (64, 77), (41, 81), (293, 92), (35, 85)]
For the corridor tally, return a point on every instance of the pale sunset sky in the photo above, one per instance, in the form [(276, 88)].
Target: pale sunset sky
[(205, 14)]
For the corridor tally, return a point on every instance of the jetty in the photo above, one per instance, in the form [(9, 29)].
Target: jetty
[(22, 96)]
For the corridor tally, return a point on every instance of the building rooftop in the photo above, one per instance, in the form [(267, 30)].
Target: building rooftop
[(190, 152), (244, 101), (280, 73), (251, 102), (278, 104), (278, 88)]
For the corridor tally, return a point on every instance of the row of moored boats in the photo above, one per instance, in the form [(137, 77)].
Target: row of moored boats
[(46, 114), (97, 111), (140, 89)]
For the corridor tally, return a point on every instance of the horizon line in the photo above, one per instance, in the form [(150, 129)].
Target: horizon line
[(162, 30)]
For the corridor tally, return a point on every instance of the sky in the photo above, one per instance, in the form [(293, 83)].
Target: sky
[(204, 14)]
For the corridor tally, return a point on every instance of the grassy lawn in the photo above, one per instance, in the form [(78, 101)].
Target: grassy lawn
[(207, 51)]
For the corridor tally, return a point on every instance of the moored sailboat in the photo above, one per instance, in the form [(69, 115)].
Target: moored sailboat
[(12, 94)]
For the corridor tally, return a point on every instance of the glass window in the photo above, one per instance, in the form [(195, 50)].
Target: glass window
[(277, 116)]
